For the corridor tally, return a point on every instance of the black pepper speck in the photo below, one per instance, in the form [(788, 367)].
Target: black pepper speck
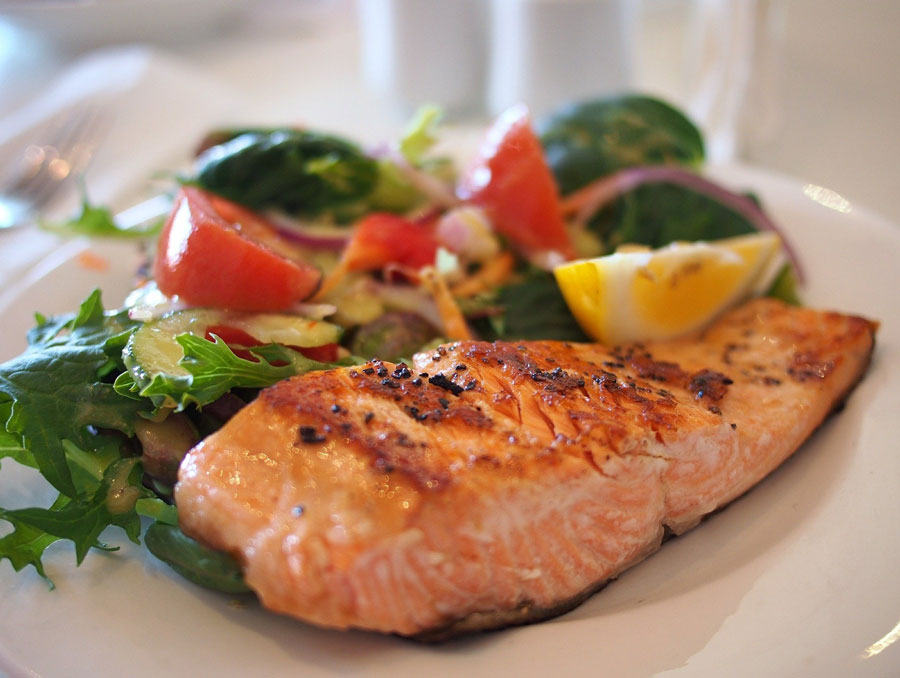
[(308, 434), (443, 382), (401, 372)]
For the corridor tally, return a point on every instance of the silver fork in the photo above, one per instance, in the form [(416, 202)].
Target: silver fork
[(42, 171)]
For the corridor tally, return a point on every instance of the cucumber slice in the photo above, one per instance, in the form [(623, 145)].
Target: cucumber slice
[(153, 349)]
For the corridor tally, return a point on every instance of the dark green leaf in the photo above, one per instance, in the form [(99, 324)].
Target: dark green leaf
[(658, 214), (25, 545), (531, 309), (82, 520), (216, 369), (584, 141), (56, 389), (11, 443), (299, 172)]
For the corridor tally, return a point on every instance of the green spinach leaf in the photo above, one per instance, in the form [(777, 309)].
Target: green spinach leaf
[(658, 214), (300, 172), (532, 308), (584, 141)]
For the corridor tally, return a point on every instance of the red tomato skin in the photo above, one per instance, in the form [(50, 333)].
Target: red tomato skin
[(236, 261), (239, 341), (381, 239), (327, 353), (511, 180)]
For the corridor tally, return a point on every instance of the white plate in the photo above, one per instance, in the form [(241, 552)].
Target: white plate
[(799, 577), (84, 24)]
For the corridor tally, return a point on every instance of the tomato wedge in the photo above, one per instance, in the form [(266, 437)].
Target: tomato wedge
[(511, 180), (381, 239), (215, 253)]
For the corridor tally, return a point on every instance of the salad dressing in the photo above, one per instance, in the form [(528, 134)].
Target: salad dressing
[(122, 495)]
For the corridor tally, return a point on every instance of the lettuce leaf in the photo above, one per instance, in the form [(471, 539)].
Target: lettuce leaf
[(68, 406), (214, 370), (82, 520), (98, 222), (55, 390), (55, 403)]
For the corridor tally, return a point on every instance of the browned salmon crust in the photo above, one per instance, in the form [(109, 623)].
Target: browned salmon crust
[(496, 484)]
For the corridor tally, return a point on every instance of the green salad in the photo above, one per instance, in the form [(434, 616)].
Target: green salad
[(289, 250)]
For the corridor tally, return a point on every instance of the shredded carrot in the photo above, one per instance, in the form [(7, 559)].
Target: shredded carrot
[(93, 261), (330, 281), (452, 319), (494, 273)]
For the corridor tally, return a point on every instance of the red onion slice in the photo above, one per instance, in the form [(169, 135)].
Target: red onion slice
[(587, 201), (332, 241)]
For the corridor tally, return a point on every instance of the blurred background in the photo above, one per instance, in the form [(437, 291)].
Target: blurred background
[(807, 88)]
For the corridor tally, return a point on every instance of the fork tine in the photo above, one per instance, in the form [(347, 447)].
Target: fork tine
[(68, 152), (79, 128), (42, 192)]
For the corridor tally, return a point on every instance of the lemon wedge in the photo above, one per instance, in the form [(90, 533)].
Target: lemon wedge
[(639, 294)]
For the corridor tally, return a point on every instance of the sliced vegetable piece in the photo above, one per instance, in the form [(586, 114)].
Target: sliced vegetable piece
[(213, 252), (153, 350), (453, 322), (512, 182), (164, 444), (642, 294), (382, 240), (239, 341), (396, 334), (202, 565), (493, 274)]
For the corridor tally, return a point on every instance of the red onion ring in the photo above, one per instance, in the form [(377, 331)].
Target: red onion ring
[(331, 242), (587, 201)]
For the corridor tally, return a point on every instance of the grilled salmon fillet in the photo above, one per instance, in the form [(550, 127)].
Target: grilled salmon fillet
[(495, 484)]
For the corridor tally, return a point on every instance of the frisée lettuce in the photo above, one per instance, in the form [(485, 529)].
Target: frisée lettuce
[(68, 408)]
